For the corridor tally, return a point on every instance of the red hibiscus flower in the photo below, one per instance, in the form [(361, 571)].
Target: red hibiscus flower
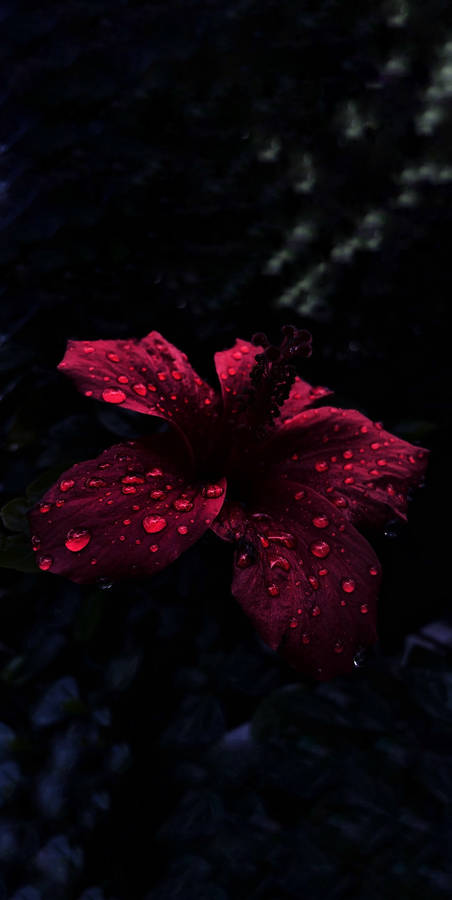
[(287, 483)]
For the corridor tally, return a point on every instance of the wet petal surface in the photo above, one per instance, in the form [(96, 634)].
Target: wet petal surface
[(307, 579), (353, 462), (130, 512), (150, 376)]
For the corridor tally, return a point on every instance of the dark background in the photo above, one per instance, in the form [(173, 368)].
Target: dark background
[(211, 169)]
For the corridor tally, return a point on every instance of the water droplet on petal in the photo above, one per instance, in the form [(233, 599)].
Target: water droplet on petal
[(305, 638), (280, 563), (313, 582), (77, 539), (244, 560), (128, 489), (299, 495), (349, 480), (66, 484), (183, 504), (140, 389), (373, 570), (293, 623), (157, 495), (113, 395), (212, 491), (113, 357), (381, 462), (321, 466), (154, 548), (338, 647), (315, 611), (45, 507), (348, 585), (320, 549), (347, 454), (153, 524), (340, 502), (182, 529), (273, 590), (132, 479), (153, 473), (35, 542), (364, 608), (320, 521), (45, 562)]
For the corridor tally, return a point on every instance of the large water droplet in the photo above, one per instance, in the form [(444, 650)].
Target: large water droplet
[(320, 521), (140, 389), (212, 491), (77, 539), (153, 524), (45, 562), (348, 585), (132, 479), (66, 484), (183, 504), (113, 395), (320, 549)]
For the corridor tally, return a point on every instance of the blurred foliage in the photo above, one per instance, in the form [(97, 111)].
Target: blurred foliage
[(210, 170)]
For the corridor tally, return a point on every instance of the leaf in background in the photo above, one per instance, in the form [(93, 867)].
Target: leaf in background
[(16, 553)]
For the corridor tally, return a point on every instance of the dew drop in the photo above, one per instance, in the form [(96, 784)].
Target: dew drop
[(381, 462), (315, 611), (305, 638), (212, 491), (128, 489), (244, 560), (280, 563), (182, 504), (113, 395), (126, 521), (35, 542), (95, 482), (45, 562), (320, 521), (349, 480), (338, 647), (153, 473), (373, 570), (176, 375), (347, 454), (323, 572), (161, 376), (66, 484), (273, 590), (153, 524), (321, 466), (140, 389), (182, 529), (157, 495), (45, 508), (153, 548), (364, 429), (320, 549), (113, 357), (299, 495), (348, 585), (132, 479), (313, 582), (77, 539), (293, 623), (340, 502), (364, 608)]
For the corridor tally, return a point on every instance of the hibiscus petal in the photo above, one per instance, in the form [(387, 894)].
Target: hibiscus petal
[(130, 512), (307, 579), (149, 376), (234, 367), (352, 461)]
